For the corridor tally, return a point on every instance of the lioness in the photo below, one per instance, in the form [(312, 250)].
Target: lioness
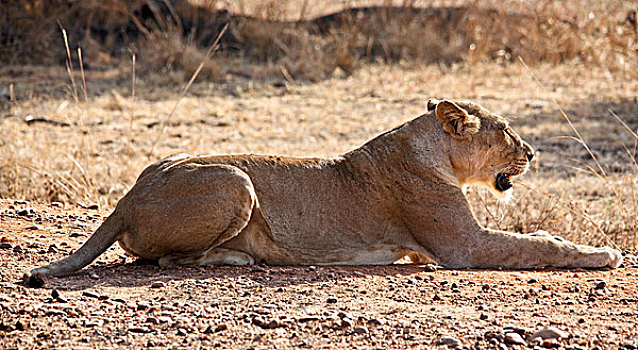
[(399, 195)]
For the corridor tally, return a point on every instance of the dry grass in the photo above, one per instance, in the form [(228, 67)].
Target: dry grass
[(80, 136), (171, 37)]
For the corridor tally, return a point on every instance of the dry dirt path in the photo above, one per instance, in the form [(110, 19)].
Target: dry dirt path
[(120, 303)]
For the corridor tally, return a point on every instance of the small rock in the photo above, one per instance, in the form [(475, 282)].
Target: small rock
[(6, 245), (600, 285), (343, 315), (55, 294), (182, 331), (157, 284), (429, 267), (220, 328), (34, 227), (332, 300), (140, 330), (57, 204), (305, 319), (376, 322), (510, 328), (360, 330), (346, 323), (165, 319), (25, 212), (90, 294), (94, 276), (548, 333), (629, 345), (514, 339), (20, 326), (141, 306), (449, 341)]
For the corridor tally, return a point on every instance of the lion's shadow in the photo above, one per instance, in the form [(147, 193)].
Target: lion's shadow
[(140, 274)]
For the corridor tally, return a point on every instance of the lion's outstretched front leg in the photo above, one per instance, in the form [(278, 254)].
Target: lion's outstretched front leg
[(449, 232), (493, 249)]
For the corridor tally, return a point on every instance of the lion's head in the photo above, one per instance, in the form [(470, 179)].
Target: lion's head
[(485, 150)]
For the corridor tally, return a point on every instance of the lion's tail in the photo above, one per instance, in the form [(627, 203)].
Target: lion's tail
[(107, 234)]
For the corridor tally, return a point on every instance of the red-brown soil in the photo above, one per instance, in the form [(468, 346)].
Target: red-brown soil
[(119, 302)]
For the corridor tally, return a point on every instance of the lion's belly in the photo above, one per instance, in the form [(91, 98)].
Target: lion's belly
[(323, 218)]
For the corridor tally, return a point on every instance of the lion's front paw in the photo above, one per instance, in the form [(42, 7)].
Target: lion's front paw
[(598, 257), (614, 257)]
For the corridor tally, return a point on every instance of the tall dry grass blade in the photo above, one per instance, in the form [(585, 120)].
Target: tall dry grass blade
[(86, 183), (69, 64), (622, 122), (84, 90), (569, 122), (132, 109), (211, 50)]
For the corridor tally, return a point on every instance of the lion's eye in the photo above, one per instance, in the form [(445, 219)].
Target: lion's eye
[(508, 132)]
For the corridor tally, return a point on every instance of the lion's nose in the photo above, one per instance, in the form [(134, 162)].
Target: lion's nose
[(529, 151), (530, 154)]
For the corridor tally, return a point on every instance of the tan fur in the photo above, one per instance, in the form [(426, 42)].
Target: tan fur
[(398, 195)]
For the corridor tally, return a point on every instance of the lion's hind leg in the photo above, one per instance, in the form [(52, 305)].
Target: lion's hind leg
[(214, 256)]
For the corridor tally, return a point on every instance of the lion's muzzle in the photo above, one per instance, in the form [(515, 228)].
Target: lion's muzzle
[(503, 182)]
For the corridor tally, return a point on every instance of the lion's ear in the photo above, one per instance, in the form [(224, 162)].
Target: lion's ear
[(432, 104), (456, 121)]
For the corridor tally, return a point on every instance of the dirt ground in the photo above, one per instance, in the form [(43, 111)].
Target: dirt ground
[(119, 302)]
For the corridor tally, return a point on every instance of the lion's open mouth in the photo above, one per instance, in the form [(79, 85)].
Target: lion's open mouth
[(503, 182)]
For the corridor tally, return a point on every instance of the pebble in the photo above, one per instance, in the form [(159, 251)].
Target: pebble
[(139, 330), (308, 319), (429, 267), (600, 285), (90, 294), (332, 300), (360, 330), (25, 212), (510, 328), (449, 341), (165, 319), (548, 333), (55, 294), (514, 339), (343, 315), (20, 326), (157, 284), (376, 322), (346, 323), (34, 227)]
